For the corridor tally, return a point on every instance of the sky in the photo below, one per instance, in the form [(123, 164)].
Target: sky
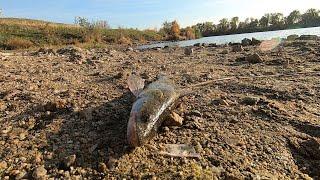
[(145, 14)]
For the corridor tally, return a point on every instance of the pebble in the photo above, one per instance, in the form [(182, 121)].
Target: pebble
[(3, 165), (237, 48), (196, 113), (249, 100), (254, 58), (188, 51), (69, 161), (102, 167), (173, 120), (39, 172), (225, 51), (21, 175)]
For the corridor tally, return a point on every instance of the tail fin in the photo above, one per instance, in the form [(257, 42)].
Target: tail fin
[(136, 84)]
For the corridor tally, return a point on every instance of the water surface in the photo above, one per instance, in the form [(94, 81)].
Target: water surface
[(238, 37)]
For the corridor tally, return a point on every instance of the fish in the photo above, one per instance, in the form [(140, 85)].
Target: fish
[(150, 108)]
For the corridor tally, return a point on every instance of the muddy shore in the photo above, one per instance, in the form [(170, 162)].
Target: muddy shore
[(63, 114)]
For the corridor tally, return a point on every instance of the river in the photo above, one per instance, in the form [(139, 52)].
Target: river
[(238, 37)]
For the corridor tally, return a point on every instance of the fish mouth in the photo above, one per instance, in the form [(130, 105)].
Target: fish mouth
[(132, 134)]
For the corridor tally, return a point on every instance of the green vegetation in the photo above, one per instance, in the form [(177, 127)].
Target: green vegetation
[(268, 22), (25, 33)]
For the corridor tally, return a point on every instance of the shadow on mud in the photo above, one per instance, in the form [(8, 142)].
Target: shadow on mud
[(306, 154), (94, 135)]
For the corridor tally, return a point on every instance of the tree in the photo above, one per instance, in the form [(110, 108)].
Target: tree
[(277, 20), (293, 18), (265, 21), (175, 30), (310, 18), (234, 23), (166, 27), (190, 33), (224, 25), (81, 21)]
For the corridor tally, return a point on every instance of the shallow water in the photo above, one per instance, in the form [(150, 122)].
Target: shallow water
[(238, 37)]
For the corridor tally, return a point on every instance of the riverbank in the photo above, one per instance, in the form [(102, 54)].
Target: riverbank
[(25, 33), (64, 112)]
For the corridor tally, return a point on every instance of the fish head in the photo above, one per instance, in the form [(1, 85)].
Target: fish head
[(145, 117)]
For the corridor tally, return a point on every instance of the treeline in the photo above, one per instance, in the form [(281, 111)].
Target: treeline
[(268, 22)]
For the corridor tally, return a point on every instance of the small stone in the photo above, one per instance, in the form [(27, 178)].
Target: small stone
[(255, 42), (3, 106), (292, 37), (220, 102), (3, 165), (102, 167), (21, 175), (250, 100), (173, 120), (166, 129), (39, 172), (129, 49), (188, 51), (196, 113), (38, 158), (237, 48), (22, 136), (111, 163), (69, 161), (254, 58), (225, 51), (246, 42)]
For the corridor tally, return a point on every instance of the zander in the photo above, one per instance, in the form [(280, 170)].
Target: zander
[(152, 105)]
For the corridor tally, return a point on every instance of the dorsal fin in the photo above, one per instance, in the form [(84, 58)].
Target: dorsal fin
[(136, 84)]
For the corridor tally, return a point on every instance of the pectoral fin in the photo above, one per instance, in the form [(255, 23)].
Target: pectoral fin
[(136, 84)]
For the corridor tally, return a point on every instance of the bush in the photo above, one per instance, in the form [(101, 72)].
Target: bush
[(17, 43)]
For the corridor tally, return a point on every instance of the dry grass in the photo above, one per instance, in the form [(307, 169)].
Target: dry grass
[(17, 43), (23, 33)]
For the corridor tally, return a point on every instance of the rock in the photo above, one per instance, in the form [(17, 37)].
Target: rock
[(249, 100), (21, 175), (255, 42), (3, 165), (3, 106), (173, 120), (246, 42), (102, 167), (74, 53), (129, 49), (69, 50), (237, 48), (220, 102), (39, 172), (188, 51), (44, 51), (69, 161), (197, 45), (225, 51), (212, 45), (196, 113), (156, 48), (254, 58), (292, 37), (309, 37)]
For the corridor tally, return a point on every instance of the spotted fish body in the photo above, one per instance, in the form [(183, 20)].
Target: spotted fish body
[(148, 111)]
